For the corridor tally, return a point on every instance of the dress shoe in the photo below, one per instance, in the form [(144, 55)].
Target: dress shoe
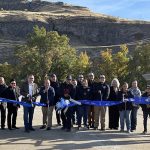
[(115, 128), (102, 129), (31, 129), (92, 126), (3, 128), (63, 128), (27, 130), (10, 128), (48, 128), (14, 127), (43, 127), (68, 130)]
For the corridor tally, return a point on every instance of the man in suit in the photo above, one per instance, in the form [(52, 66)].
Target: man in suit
[(12, 92), (29, 90), (3, 105)]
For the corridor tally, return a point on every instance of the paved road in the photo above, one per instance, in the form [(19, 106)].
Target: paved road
[(75, 140)]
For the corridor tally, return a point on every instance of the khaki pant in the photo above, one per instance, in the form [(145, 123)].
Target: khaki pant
[(47, 115), (99, 111)]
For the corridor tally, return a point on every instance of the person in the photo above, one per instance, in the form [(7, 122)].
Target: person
[(125, 107), (74, 109), (74, 82), (146, 108), (113, 110), (29, 90), (91, 84), (3, 105), (80, 79), (12, 93), (135, 91), (101, 93), (47, 97), (67, 91), (83, 93), (55, 84)]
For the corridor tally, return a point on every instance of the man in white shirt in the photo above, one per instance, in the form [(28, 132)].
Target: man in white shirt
[(29, 90)]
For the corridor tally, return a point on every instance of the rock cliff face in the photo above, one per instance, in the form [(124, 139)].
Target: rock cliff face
[(82, 26)]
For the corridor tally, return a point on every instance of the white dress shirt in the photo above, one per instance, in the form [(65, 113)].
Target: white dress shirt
[(30, 89)]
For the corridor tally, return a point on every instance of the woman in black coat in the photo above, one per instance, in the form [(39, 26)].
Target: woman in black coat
[(113, 110)]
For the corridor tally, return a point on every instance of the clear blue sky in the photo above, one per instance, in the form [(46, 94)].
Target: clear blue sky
[(131, 9)]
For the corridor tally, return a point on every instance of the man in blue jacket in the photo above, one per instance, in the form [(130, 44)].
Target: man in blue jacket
[(47, 97)]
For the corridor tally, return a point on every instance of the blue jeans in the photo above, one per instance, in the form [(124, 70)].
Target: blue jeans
[(82, 112), (125, 116), (28, 117)]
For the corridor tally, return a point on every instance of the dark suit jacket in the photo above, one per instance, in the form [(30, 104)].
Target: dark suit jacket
[(9, 94), (25, 91), (101, 91), (2, 89), (47, 98)]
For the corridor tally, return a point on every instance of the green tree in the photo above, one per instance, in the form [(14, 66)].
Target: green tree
[(45, 52), (7, 71), (114, 65), (82, 65), (139, 63)]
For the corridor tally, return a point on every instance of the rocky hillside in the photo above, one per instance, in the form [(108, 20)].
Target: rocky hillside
[(83, 27)]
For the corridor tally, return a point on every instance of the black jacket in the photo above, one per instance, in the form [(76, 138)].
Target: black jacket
[(67, 88), (101, 91), (9, 94), (47, 97), (125, 105), (113, 96), (83, 93), (3, 87), (91, 84), (145, 107), (56, 87)]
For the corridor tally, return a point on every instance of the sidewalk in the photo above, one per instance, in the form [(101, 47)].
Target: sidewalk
[(61, 140)]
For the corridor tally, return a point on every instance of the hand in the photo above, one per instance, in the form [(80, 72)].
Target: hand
[(125, 99)]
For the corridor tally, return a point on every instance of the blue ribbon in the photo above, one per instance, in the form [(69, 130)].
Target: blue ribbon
[(100, 103), (62, 104), (25, 104)]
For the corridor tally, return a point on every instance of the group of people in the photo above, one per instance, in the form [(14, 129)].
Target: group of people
[(86, 116)]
